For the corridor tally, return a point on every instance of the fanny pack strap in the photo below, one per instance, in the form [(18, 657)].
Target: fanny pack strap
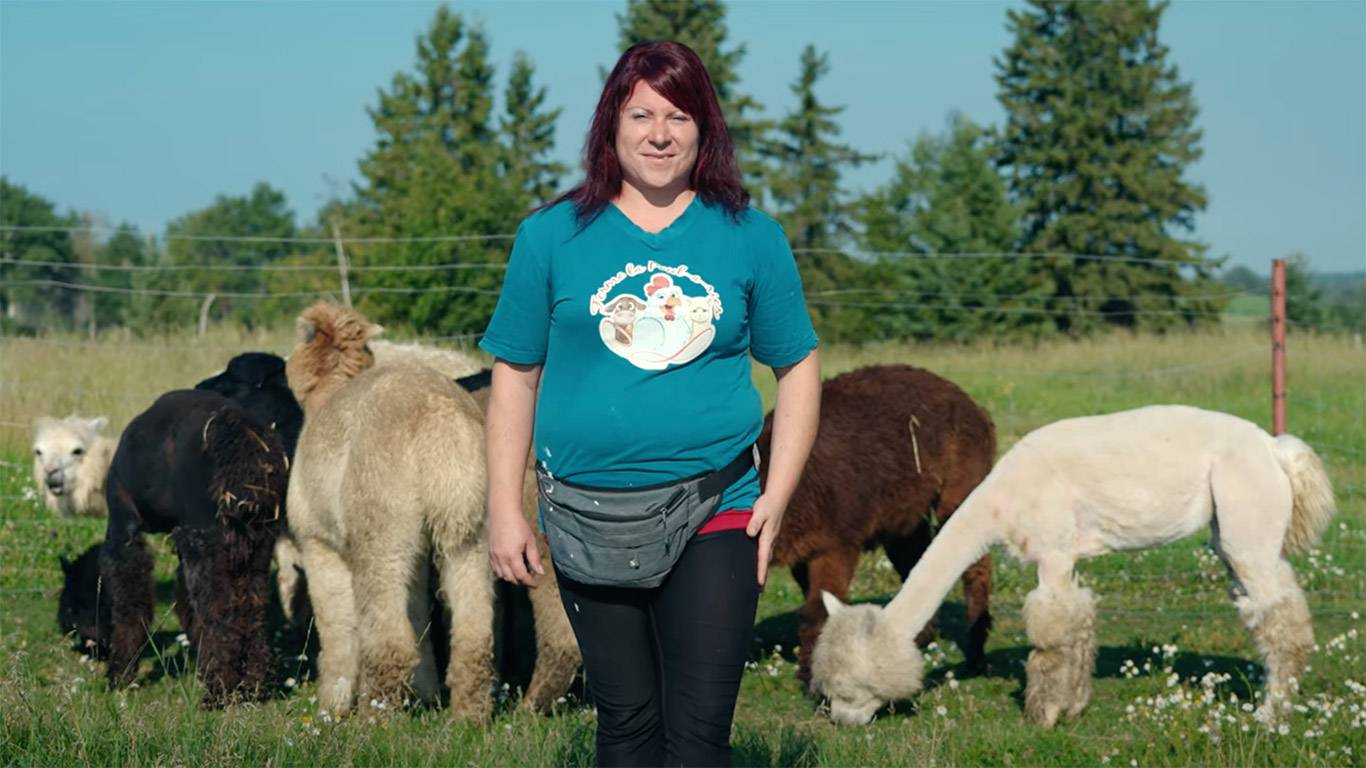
[(723, 478)]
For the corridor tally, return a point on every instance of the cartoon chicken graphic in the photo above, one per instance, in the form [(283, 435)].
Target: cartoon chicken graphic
[(659, 331)]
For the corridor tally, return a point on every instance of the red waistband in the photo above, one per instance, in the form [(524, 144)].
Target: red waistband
[(728, 520)]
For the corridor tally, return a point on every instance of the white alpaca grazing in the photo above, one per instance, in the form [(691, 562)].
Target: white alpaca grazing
[(70, 463), (1084, 487)]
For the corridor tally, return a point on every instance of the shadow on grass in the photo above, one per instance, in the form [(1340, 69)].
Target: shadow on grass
[(1009, 663)]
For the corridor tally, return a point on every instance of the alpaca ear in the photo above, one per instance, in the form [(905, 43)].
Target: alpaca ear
[(832, 603), (374, 331), (307, 329), (98, 423)]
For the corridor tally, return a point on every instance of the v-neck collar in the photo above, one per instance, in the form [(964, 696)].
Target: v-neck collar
[(662, 237)]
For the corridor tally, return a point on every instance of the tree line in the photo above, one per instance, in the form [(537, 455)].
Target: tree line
[(1073, 216)]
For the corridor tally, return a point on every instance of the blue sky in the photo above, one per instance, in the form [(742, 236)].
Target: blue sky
[(145, 111)]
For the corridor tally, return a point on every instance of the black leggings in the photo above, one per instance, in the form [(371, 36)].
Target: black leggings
[(664, 664)]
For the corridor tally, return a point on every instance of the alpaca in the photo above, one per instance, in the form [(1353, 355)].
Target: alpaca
[(70, 461), (83, 609), (1084, 487), (388, 476), (197, 466), (290, 578), (895, 445), (557, 651)]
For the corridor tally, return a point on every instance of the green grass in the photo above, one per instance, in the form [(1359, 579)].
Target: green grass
[(1163, 612)]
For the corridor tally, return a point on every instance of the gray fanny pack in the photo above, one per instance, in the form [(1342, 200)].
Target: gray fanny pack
[(629, 537)]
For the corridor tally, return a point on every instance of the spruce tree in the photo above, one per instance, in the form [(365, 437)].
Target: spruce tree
[(529, 135), (806, 197), (1099, 133), (441, 171), (943, 231)]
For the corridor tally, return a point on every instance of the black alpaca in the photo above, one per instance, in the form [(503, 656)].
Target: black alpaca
[(211, 471), (83, 608)]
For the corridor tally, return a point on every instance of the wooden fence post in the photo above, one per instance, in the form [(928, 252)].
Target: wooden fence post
[(1278, 346)]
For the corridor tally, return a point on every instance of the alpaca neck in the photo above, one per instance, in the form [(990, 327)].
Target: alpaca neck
[(968, 535)]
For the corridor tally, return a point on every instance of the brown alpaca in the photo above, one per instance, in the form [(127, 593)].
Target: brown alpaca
[(388, 477), (895, 444)]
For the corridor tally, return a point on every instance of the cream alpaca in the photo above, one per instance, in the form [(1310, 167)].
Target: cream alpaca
[(388, 477), (70, 463), (557, 652), (1084, 487)]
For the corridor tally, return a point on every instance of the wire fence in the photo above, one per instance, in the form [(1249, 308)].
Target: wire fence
[(120, 375)]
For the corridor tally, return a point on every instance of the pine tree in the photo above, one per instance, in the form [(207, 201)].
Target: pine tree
[(1099, 133), (701, 25), (529, 135), (946, 197), (804, 184), (439, 171)]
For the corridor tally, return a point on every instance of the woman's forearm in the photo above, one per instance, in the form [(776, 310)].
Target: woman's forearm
[(508, 431), (796, 416)]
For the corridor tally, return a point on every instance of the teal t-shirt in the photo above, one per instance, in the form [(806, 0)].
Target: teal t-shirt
[(644, 340)]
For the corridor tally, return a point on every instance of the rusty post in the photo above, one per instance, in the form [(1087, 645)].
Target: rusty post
[(1278, 346)]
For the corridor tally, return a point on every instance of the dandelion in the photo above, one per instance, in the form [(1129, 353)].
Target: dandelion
[(942, 710), (1283, 729), (291, 682)]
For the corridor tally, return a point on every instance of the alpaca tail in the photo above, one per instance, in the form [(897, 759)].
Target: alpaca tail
[(969, 534), (249, 468), (1314, 505)]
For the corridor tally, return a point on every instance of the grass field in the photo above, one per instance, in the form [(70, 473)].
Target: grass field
[(1176, 673)]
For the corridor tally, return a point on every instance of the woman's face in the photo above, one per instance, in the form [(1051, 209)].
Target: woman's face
[(656, 142)]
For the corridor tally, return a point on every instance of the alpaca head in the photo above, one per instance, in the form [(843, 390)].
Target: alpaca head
[(83, 607), (331, 351), (861, 661), (60, 450)]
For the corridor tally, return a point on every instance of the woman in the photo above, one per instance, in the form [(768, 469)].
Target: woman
[(633, 302)]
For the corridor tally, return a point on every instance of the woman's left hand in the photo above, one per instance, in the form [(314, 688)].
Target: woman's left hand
[(766, 520)]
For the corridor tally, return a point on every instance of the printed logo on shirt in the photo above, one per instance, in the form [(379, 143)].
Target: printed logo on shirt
[(670, 322)]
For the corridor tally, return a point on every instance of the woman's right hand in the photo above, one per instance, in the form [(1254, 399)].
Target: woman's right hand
[(512, 549)]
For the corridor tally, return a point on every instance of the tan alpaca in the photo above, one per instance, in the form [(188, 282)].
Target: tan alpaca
[(557, 651), (70, 464), (388, 477), (1080, 488)]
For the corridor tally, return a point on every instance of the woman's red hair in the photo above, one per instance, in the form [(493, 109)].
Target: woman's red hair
[(675, 72)]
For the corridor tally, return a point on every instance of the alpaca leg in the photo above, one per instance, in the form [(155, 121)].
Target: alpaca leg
[(388, 605), (204, 563), (291, 583), (1270, 602), (557, 652), (184, 611), (1060, 622), (1272, 607), (334, 613), (467, 590), (831, 572), (126, 570)]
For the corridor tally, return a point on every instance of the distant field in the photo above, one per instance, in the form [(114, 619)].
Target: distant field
[(1176, 669)]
